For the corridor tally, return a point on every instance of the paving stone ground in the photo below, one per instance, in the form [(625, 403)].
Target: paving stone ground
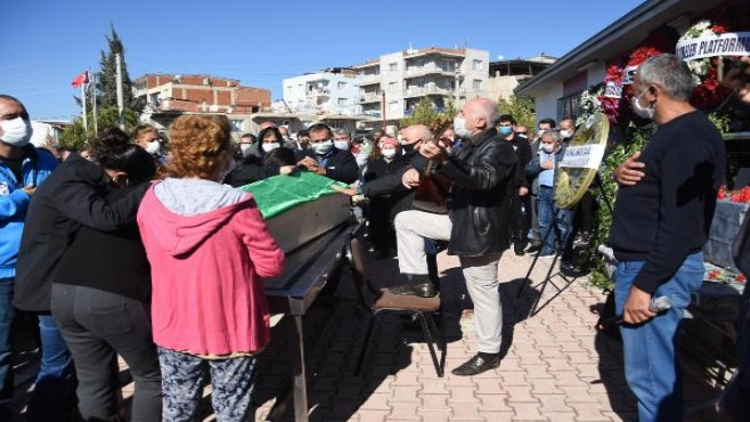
[(556, 367)]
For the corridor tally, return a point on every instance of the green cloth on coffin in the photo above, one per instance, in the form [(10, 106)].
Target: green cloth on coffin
[(281, 193)]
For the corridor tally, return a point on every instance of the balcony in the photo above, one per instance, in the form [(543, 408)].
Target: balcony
[(371, 97), (429, 69), (318, 92), (369, 79), (427, 90)]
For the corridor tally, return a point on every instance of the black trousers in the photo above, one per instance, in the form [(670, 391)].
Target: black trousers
[(520, 221), (98, 325)]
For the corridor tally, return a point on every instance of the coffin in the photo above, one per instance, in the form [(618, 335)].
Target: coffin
[(299, 207)]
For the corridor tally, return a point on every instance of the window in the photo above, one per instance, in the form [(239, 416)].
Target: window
[(343, 101), (335, 124), (569, 106), (342, 85), (476, 65), (476, 85), (236, 125), (393, 86), (393, 67)]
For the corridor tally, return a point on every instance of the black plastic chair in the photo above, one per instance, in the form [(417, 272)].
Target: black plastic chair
[(379, 302)]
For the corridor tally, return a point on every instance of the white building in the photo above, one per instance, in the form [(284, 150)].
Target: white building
[(403, 78), (333, 91)]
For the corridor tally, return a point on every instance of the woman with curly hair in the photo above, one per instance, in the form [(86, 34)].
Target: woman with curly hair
[(208, 247)]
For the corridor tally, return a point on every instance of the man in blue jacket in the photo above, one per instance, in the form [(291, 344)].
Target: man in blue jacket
[(22, 169), (326, 160)]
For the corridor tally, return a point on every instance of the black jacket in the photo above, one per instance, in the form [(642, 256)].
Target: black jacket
[(390, 185), (340, 165), (72, 195), (119, 266), (523, 152), (484, 179)]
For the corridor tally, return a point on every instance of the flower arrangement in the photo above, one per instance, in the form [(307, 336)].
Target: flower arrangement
[(740, 196), (708, 93)]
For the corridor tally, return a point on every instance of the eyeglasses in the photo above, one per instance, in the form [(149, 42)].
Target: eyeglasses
[(521, 133)]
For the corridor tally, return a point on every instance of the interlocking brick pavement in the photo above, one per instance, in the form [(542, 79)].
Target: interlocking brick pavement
[(556, 367)]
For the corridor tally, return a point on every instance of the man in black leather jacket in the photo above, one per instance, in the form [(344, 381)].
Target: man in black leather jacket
[(483, 176)]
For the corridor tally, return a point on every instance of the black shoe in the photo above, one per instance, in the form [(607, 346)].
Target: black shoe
[(519, 252), (422, 289), (479, 363)]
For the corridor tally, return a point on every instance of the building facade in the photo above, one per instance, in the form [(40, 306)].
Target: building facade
[(394, 83), (332, 91), (170, 95), (506, 75)]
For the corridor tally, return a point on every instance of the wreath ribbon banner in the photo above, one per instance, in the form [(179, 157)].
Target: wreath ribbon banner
[(727, 44), (584, 156)]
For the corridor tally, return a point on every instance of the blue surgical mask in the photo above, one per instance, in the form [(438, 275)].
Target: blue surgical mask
[(322, 148), (505, 130)]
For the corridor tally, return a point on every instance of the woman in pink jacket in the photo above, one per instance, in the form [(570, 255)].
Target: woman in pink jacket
[(208, 247)]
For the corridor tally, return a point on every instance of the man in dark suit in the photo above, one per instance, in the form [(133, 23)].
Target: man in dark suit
[(322, 158)]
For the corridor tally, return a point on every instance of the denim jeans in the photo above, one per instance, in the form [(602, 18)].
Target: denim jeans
[(547, 210), (54, 392), (7, 314), (650, 349)]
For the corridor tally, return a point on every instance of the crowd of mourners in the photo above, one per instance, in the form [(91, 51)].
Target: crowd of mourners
[(142, 246)]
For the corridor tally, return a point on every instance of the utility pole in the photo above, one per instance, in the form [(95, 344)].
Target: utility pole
[(93, 103), (382, 108), (458, 87), (120, 102), (84, 87)]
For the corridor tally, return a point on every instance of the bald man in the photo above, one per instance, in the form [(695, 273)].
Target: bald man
[(477, 224)]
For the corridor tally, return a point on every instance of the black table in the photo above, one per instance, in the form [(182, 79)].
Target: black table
[(307, 271)]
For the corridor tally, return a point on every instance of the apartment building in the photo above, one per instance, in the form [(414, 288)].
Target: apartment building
[(394, 83), (332, 91)]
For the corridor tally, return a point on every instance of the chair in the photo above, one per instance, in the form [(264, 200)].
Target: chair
[(379, 302)]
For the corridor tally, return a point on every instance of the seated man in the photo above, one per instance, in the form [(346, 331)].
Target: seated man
[(322, 158)]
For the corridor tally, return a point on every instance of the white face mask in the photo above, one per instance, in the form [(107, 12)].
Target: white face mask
[(16, 132), (342, 145), (270, 146), (566, 133), (389, 153), (642, 112), (153, 147), (548, 148), (322, 148), (245, 148), (459, 127)]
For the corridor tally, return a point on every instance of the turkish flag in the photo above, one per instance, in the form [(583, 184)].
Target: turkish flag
[(83, 78)]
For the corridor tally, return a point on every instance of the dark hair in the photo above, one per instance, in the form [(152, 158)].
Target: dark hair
[(24, 113), (548, 121), (507, 118), (262, 134), (131, 159), (108, 139), (319, 127), (303, 132), (281, 156)]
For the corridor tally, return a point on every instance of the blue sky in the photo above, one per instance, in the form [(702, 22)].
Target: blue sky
[(45, 44)]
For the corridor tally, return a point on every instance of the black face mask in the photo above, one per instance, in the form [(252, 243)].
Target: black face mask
[(408, 149)]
